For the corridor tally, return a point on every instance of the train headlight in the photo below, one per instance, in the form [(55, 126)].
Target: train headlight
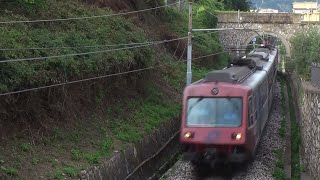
[(188, 135), (236, 136)]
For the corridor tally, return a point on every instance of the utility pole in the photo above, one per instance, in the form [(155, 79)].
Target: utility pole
[(238, 37), (189, 53)]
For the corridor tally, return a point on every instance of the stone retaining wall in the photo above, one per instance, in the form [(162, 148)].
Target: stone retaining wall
[(123, 163), (310, 129), (269, 18)]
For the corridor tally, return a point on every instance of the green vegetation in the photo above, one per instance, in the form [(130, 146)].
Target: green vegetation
[(242, 5), (203, 43), (305, 50), (295, 137), (70, 171), (20, 75), (295, 140), (25, 147), (279, 172), (9, 171), (26, 4), (70, 128), (282, 130)]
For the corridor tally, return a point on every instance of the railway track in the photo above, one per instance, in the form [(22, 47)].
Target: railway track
[(261, 168)]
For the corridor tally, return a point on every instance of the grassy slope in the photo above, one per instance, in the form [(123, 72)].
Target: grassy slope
[(80, 141)]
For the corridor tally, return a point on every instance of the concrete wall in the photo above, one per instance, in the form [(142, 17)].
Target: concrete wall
[(125, 162), (310, 129), (261, 18)]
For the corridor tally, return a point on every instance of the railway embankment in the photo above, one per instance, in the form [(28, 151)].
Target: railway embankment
[(305, 119), (95, 86), (141, 160)]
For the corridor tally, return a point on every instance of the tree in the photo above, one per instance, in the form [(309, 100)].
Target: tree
[(242, 5), (305, 50), (22, 3)]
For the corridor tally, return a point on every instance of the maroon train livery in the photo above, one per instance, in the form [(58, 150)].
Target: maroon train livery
[(224, 114)]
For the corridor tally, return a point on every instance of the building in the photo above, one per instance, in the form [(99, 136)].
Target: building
[(268, 11), (310, 10)]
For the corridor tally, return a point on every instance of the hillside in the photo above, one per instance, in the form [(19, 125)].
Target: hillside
[(81, 103), (281, 5)]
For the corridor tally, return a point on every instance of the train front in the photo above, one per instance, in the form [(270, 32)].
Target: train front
[(214, 121)]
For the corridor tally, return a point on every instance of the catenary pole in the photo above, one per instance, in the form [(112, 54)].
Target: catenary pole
[(238, 37), (189, 53)]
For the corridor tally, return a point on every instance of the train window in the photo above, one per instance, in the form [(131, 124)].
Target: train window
[(250, 106), (256, 101), (263, 90), (251, 121), (253, 103), (214, 112), (250, 111), (270, 81)]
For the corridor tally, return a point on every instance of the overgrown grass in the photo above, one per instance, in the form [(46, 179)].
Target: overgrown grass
[(203, 43), (282, 130), (279, 172), (126, 119), (295, 139), (9, 171), (115, 30)]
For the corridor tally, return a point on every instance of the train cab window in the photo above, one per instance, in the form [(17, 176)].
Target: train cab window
[(214, 112)]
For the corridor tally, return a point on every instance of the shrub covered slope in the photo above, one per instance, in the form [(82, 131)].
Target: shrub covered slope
[(56, 132)]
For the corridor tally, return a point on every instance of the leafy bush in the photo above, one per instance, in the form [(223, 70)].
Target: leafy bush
[(203, 44), (305, 50), (204, 13), (242, 5), (24, 4), (99, 31)]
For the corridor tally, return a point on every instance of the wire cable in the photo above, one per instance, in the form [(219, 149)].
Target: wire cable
[(72, 47), (100, 77), (139, 45), (91, 52), (87, 46), (209, 55), (87, 17)]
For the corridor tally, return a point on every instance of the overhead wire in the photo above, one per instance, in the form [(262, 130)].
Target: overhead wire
[(87, 17), (151, 43), (101, 77), (72, 47), (92, 52), (88, 46), (250, 29)]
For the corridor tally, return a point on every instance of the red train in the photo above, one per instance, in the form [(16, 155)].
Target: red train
[(224, 114)]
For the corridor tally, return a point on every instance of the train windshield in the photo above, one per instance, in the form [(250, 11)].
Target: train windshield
[(214, 112)]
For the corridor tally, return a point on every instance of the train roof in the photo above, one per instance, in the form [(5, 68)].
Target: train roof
[(248, 70)]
